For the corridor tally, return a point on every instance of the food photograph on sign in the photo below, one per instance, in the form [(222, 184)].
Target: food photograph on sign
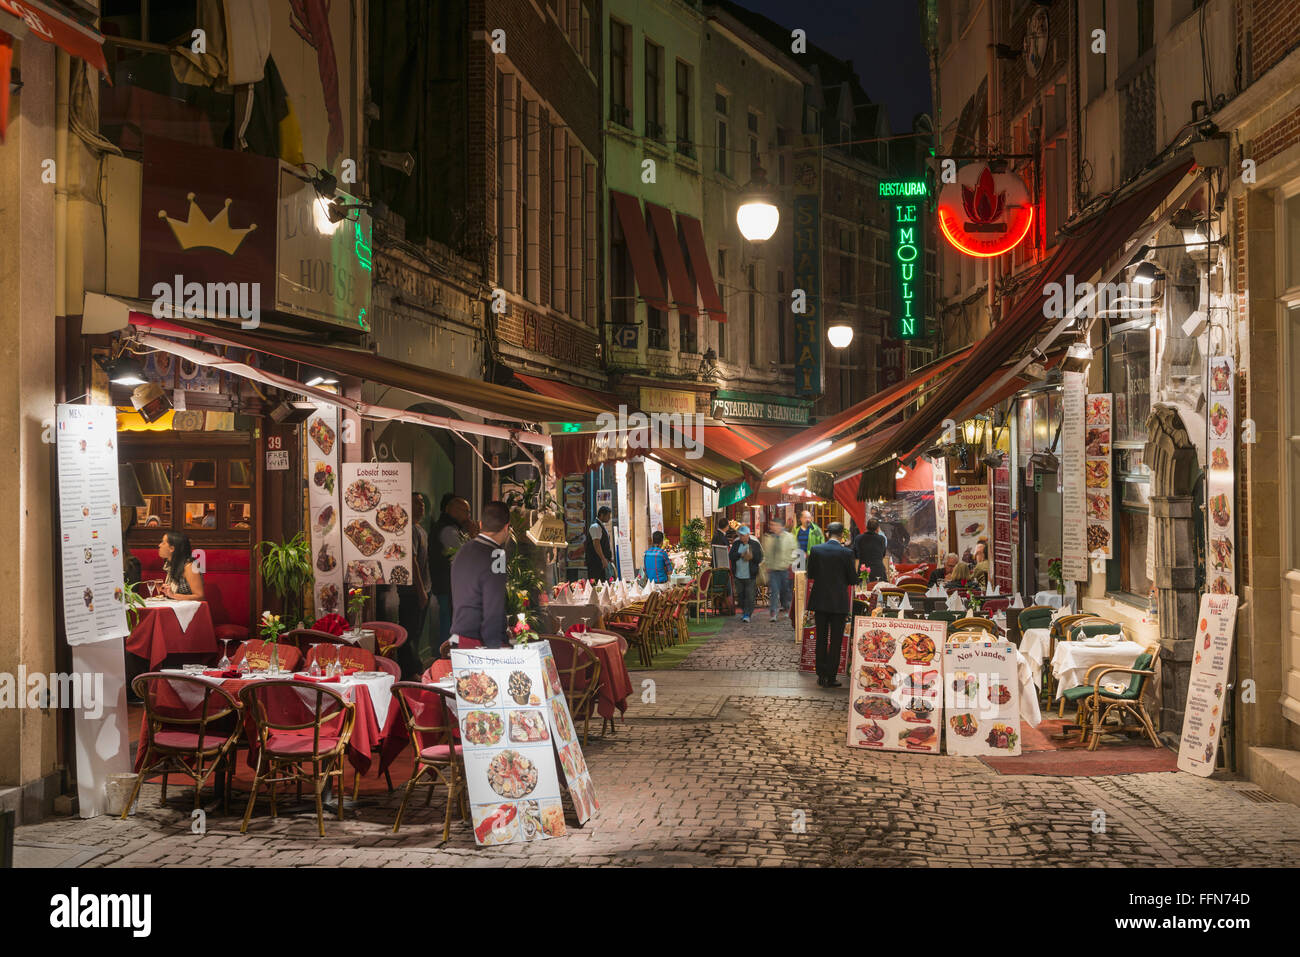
[(895, 698)]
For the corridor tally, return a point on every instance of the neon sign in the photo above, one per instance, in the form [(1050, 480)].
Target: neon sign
[(907, 245), (984, 213)]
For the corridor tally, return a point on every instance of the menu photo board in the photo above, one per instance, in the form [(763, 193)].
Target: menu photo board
[(981, 698), (90, 528), (573, 492), (1219, 479), (626, 563), (322, 438), (1098, 430), (376, 522), (1207, 688), (895, 691), (514, 720), (1074, 535), (940, 469), (971, 527)]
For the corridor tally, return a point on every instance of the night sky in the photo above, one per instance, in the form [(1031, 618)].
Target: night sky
[(881, 37)]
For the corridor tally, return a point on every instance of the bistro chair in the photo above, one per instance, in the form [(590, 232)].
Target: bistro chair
[(346, 655), (975, 622), (1060, 630), (388, 636), (579, 670), (1096, 702), (639, 627), (259, 653), (720, 592), (189, 722), (698, 599), (967, 635), (1094, 627), (303, 729), (911, 582), (1035, 616), (945, 615), (432, 729)]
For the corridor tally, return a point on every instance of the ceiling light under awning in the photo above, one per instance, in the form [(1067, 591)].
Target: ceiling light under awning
[(793, 474)]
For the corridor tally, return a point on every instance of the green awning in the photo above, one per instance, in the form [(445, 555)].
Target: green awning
[(733, 493)]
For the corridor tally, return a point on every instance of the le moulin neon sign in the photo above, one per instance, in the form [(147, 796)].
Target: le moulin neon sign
[(907, 245), (984, 213)]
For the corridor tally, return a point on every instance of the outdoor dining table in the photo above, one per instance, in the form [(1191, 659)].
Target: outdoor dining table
[(181, 628), (371, 695), (558, 617), (615, 682), (1034, 643), (1072, 659)]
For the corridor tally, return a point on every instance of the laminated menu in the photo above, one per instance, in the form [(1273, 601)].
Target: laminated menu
[(322, 458), (981, 698), (895, 691), (1097, 478), (514, 720), (1220, 497), (1074, 502), (376, 522), (1207, 689)]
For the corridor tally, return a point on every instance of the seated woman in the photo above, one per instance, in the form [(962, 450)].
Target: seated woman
[(183, 579), (960, 573)]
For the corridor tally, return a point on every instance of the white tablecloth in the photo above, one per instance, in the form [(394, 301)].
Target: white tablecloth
[(185, 610), (1049, 598), (1072, 659), (380, 688), (1034, 643), (1029, 710)]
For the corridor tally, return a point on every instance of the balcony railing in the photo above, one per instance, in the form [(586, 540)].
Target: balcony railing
[(654, 131), (658, 337), (1136, 88), (686, 148)]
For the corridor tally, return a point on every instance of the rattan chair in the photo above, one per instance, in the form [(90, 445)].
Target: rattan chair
[(639, 627), (432, 732), (183, 735), (1096, 703), (913, 588), (698, 594), (288, 744), (975, 622), (579, 670)]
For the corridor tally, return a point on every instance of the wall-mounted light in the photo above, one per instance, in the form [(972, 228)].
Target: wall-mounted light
[(973, 430), (757, 215), (840, 335), (1146, 273)]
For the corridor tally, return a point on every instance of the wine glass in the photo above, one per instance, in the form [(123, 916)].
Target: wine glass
[(585, 619), (560, 620), (224, 663), (314, 670)]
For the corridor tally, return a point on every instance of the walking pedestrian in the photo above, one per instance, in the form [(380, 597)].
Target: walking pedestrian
[(831, 571), (745, 555), (779, 549)]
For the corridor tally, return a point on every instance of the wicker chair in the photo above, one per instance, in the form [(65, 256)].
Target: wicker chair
[(983, 624), (1096, 703), (432, 730), (1059, 630), (639, 627), (579, 671)]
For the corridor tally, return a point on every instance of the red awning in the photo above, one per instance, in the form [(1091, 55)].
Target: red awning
[(638, 248), (763, 461), (49, 25), (699, 254), (846, 494), (670, 248), (1081, 255), (728, 443), (569, 393)]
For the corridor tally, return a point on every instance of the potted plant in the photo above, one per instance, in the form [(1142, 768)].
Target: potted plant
[(521, 632), (696, 547), (270, 627), (1055, 575), (134, 602), (523, 576), (286, 568)]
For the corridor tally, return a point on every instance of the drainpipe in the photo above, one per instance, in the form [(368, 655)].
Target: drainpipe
[(62, 67)]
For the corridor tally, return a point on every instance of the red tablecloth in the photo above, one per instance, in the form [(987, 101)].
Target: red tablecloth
[(615, 682), (366, 733), (158, 634)]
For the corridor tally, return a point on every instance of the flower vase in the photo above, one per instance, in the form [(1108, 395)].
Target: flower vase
[(275, 657)]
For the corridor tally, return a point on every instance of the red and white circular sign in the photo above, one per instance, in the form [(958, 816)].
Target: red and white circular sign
[(985, 213)]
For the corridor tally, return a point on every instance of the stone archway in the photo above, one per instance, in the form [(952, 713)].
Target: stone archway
[(1170, 453)]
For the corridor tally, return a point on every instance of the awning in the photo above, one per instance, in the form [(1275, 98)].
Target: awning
[(638, 248), (670, 247), (703, 272), (567, 392), (1081, 255), (762, 462), (457, 392), (43, 21)]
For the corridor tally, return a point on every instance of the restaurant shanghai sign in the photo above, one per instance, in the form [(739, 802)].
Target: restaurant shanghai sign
[(985, 213), (907, 248)]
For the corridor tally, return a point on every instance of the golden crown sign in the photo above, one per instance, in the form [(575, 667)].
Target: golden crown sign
[(200, 232)]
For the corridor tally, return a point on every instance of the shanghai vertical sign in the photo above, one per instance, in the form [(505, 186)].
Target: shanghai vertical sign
[(807, 268), (907, 254)]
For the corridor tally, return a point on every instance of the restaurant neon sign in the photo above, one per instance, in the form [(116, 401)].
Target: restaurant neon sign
[(907, 244)]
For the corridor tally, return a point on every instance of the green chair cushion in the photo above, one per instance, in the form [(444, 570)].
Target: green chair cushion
[(1092, 629), (1035, 618), (1075, 694)]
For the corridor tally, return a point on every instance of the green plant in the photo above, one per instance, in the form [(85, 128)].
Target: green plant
[(696, 547), (286, 569), (134, 602), (523, 576)]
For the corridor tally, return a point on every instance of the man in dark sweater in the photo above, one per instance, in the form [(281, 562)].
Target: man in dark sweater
[(448, 532), (478, 584)]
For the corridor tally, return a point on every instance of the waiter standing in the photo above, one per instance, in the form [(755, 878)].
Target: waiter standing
[(600, 560), (870, 548), (478, 584), (830, 569)]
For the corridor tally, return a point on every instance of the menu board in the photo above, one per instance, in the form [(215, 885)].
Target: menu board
[(512, 715), (1097, 473), (895, 702), (654, 498), (322, 438), (376, 522), (1074, 502), (1207, 687), (626, 563), (94, 605), (1001, 577), (940, 469), (981, 698), (800, 603), (1222, 536), (574, 491)]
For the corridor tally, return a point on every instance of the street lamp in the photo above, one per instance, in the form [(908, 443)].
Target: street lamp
[(973, 430), (840, 335), (757, 215)]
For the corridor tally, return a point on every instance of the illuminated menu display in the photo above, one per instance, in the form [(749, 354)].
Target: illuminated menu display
[(907, 254)]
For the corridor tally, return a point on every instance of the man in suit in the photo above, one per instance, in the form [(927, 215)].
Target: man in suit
[(832, 571), (478, 584)]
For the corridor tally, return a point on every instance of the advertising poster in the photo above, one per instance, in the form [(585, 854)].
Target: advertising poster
[(323, 509), (572, 492), (1002, 555), (971, 526), (940, 469), (376, 520), (981, 698), (1074, 534), (582, 792), (90, 528), (1207, 689), (653, 495), (800, 596), (1218, 486), (895, 691), (626, 563), (1097, 475), (908, 524), (507, 735)]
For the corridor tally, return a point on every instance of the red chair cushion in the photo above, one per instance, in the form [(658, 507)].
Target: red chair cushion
[(298, 742), (438, 752), (188, 740), (233, 632)]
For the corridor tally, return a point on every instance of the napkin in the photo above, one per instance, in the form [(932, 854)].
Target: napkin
[(1017, 602), (900, 613), (935, 591), (228, 673), (310, 678), (905, 605), (955, 603)]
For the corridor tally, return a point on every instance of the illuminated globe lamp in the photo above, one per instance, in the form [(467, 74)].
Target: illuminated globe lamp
[(840, 335), (757, 215)]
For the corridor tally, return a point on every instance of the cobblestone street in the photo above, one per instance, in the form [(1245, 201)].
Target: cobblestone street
[(740, 760)]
